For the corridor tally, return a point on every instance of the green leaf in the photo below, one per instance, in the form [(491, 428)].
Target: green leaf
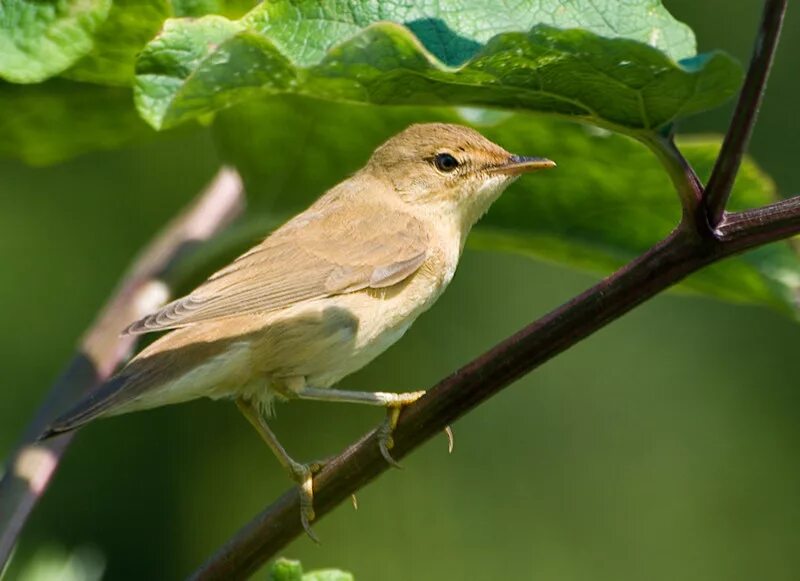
[(59, 119), (608, 201), (455, 30), (289, 570), (89, 40), (40, 39), (129, 26), (617, 71), (229, 8)]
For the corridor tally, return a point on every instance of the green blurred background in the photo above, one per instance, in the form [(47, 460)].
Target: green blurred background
[(663, 447)]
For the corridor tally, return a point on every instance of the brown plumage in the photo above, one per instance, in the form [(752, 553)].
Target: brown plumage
[(390, 247), (325, 293)]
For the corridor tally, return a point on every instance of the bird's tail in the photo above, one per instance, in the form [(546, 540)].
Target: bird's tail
[(165, 372), (108, 396)]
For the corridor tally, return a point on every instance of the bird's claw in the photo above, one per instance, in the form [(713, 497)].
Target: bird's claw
[(303, 474), (386, 431), (385, 438)]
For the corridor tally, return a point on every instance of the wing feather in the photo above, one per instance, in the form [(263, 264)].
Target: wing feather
[(306, 259)]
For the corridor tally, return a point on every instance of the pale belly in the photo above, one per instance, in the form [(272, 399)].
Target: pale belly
[(329, 339)]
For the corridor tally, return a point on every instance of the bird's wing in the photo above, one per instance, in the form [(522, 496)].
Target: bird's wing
[(315, 255)]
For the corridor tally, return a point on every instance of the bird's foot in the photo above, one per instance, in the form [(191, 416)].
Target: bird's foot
[(386, 431), (303, 475)]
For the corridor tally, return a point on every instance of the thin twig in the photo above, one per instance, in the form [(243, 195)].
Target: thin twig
[(143, 289), (726, 167)]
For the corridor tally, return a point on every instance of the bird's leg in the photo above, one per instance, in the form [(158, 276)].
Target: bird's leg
[(302, 474), (393, 402)]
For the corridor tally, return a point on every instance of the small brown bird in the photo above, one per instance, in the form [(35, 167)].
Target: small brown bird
[(324, 294)]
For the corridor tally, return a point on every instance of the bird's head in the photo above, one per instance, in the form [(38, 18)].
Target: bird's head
[(449, 168)]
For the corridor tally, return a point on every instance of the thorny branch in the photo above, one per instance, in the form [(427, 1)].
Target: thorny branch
[(143, 289), (705, 235)]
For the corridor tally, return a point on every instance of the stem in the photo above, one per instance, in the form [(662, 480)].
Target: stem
[(750, 228), (31, 467), (685, 180), (740, 129)]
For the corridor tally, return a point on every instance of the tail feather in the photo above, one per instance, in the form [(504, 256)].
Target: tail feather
[(180, 366), (94, 405)]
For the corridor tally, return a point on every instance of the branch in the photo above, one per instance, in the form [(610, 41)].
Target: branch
[(679, 255), (142, 290), (752, 228), (725, 169)]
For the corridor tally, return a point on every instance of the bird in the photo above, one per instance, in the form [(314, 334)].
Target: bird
[(321, 296)]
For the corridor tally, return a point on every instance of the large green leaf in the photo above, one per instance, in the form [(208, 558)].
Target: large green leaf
[(229, 8), (56, 120), (454, 30), (608, 201), (129, 26), (617, 70), (39, 39)]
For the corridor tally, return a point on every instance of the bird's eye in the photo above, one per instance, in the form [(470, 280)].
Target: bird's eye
[(445, 162)]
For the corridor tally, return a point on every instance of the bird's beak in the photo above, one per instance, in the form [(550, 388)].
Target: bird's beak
[(518, 164)]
